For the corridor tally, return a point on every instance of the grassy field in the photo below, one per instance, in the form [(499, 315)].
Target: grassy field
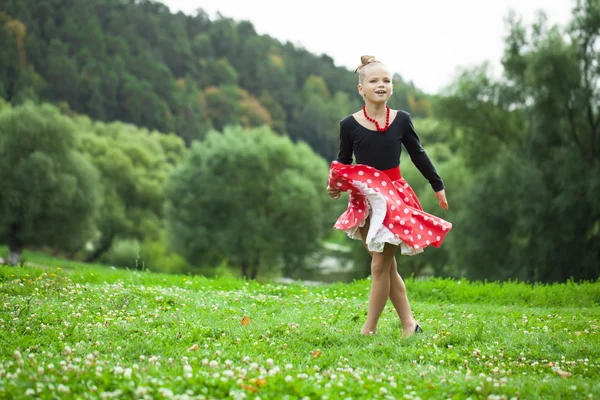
[(74, 331)]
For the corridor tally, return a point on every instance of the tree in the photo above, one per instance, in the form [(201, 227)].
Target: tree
[(251, 197), (60, 70), (191, 121), (50, 192), (232, 105), (9, 57), (134, 165), (531, 142)]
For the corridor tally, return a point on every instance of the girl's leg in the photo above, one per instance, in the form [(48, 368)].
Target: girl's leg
[(380, 286), (396, 292), (400, 301)]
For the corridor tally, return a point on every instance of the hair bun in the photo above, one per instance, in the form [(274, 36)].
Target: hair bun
[(364, 60)]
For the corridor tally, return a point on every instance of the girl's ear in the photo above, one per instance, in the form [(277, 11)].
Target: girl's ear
[(360, 89)]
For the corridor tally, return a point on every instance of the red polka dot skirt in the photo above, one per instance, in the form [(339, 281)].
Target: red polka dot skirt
[(396, 214)]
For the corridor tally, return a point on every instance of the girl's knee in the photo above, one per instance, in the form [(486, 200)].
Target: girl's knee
[(378, 270), (379, 265)]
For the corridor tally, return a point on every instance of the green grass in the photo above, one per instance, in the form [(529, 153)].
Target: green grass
[(79, 331)]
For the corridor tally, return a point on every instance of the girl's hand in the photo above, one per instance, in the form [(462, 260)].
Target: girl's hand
[(441, 196), (333, 193)]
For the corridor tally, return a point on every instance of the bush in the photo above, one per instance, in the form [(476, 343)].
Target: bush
[(124, 253)]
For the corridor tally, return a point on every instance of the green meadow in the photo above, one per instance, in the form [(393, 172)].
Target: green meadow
[(90, 331)]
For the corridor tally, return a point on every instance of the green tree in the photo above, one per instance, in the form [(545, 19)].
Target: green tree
[(232, 105), (220, 72), (531, 142), (275, 111), (60, 70), (191, 121), (50, 192), (134, 165), (9, 58), (251, 197)]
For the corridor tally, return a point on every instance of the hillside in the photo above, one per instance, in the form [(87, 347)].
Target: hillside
[(135, 61)]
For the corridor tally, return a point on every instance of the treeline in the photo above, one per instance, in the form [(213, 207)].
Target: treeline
[(519, 154), (530, 142), (134, 61), (125, 195)]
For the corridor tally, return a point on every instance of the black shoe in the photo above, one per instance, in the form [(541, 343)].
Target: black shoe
[(418, 329)]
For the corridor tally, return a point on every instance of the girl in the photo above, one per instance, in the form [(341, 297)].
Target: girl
[(383, 211)]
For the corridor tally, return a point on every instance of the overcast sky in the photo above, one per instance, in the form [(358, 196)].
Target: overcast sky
[(425, 41)]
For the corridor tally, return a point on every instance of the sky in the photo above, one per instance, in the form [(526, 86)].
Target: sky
[(425, 41)]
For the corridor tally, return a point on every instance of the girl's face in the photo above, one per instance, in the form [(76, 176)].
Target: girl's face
[(376, 86)]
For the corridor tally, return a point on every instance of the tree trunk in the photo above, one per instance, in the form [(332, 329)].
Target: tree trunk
[(244, 269), (15, 245), (102, 248), (255, 266)]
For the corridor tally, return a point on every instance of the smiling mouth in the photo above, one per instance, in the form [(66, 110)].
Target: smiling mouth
[(380, 92)]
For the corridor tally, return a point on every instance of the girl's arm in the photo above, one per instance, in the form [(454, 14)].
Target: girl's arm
[(345, 153), (419, 157)]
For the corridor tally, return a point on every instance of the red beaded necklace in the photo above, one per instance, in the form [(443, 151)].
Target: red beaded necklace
[(387, 119)]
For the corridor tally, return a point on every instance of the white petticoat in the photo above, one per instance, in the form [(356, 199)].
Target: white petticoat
[(378, 233)]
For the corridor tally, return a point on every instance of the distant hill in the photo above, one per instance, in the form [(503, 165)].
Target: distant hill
[(137, 62)]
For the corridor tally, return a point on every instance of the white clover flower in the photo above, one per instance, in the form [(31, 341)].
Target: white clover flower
[(62, 388), (166, 393), (127, 373), (141, 391)]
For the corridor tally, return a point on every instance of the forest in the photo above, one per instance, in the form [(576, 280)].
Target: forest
[(131, 135)]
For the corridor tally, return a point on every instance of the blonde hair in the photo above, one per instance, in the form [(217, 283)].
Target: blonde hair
[(365, 61)]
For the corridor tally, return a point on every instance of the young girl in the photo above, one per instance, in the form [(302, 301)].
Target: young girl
[(383, 211)]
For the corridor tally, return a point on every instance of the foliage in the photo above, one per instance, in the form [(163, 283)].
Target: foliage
[(125, 60), (530, 141), (50, 192), (134, 165), (249, 196), (124, 253)]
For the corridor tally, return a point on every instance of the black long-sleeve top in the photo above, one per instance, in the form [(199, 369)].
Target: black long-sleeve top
[(382, 150)]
